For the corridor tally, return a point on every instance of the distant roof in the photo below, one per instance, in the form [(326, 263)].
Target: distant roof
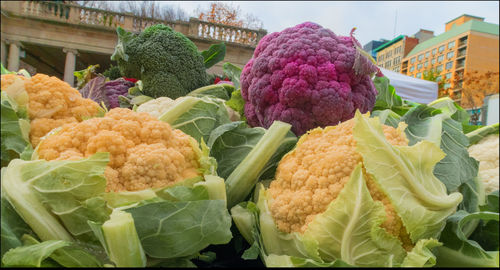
[(387, 44), (465, 15), (472, 25)]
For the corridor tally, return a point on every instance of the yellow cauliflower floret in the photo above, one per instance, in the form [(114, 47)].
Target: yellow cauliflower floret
[(52, 103), (144, 152), (310, 177)]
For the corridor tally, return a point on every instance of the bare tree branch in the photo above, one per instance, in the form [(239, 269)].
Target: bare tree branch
[(147, 9)]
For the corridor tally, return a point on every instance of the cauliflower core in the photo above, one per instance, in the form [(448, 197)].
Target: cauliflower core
[(307, 76), (310, 177), (486, 152), (144, 152), (52, 103)]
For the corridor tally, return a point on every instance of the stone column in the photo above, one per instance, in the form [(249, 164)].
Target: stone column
[(14, 50), (69, 66), (4, 53)]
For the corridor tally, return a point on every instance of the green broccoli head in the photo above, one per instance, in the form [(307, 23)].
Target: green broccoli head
[(167, 62)]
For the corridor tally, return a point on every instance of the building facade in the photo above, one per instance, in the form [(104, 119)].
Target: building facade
[(390, 54), (468, 44), (372, 45)]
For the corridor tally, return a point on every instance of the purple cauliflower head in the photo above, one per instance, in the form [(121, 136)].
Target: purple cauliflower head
[(307, 76)]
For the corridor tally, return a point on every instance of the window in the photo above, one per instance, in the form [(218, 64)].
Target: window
[(433, 61), (419, 66), (440, 58), (419, 75), (438, 78), (441, 48), (427, 54), (451, 45), (397, 60), (389, 54), (448, 75), (450, 55), (420, 57), (439, 68), (388, 64), (449, 65), (447, 85), (381, 57), (434, 51), (426, 64), (412, 69), (412, 60)]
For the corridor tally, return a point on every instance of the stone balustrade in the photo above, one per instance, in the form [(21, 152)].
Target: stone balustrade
[(75, 14)]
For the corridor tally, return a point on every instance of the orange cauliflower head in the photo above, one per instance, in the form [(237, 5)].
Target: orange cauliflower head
[(144, 152), (310, 177), (52, 103)]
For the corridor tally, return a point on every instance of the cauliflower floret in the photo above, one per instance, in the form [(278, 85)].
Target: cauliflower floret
[(52, 103), (144, 152), (486, 152), (156, 107), (310, 177)]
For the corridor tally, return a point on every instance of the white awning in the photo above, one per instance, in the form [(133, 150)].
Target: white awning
[(412, 89)]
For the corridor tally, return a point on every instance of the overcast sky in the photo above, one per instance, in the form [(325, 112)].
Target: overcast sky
[(373, 19)]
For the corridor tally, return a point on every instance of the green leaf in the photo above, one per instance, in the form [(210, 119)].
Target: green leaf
[(233, 72), (45, 193), (177, 229), (138, 100), (85, 75), (405, 174), (32, 255), (237, 103), (214, 54), (183, 193), (222, 91), (123, 38), (458, 250), (447, 106), (12, 226), (15, 128), (230, 143), (252, 252), (478, 134), (386, 97), (77, 254), (421, 255), (387, 117), (196, 116), (457, 170), (492, 204), (6, 71)]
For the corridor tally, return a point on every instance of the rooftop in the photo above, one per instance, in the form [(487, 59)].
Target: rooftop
[(387, 44), (472, 25), (481, 18)]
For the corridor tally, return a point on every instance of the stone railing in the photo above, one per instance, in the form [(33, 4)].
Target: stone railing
[(226, 33), (79, 15)]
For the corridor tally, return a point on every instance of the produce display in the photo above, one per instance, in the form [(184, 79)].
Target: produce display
[(303, 157)]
